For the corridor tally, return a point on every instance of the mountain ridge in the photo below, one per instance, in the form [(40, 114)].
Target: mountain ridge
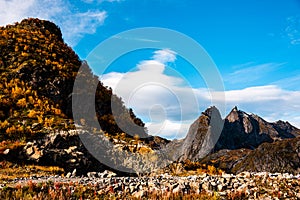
[(244, 138)]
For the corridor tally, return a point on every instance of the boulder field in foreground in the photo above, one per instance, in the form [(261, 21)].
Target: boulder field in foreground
[(107, 186)]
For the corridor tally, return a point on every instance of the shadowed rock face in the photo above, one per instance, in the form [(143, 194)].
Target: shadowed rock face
[(242, 130), (226, 159)]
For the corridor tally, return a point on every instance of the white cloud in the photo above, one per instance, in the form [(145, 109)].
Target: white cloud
[(148, 86), (256, 94), (169, 106), (164, 56), (169, 129), (162, 101), (73, 23), (270, 102)]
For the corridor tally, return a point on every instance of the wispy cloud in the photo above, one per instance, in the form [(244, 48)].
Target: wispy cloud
[(135, 39), (86, 23), (100, 1), (73, 23), (270, 101), (291, 83), (250, 72), (293, 29), (14, 10)]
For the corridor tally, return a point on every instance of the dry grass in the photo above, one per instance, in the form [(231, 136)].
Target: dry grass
[(10, 145), (188, 168), (64, 191), (10, 171)]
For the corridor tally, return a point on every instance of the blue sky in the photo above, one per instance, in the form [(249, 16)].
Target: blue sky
[(254, 44)]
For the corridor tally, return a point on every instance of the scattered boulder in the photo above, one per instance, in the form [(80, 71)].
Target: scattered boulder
[(6, 151), (63, 149)]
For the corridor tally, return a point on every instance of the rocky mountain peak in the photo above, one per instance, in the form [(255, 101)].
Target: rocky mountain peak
[(283, 123), (236, 115), (235, 109), (202, 135), (210, 111), (286, 129), (240, 130)]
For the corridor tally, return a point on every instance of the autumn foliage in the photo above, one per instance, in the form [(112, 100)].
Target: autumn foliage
[(37, 73)]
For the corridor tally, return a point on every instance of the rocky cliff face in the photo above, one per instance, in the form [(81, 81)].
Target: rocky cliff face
[(238, 130), (246, 142), (202, 135), (243, 130)]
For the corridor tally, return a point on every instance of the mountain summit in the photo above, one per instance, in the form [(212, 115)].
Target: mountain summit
[(202, 135), (209, 133), (246, 142)]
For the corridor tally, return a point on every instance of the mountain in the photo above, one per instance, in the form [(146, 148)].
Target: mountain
[(240, 142), (37, 71), (202, 135), (243, 130)]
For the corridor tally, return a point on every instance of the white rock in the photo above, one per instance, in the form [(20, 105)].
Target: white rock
[(68, 175), (6, 151), (74, 173)]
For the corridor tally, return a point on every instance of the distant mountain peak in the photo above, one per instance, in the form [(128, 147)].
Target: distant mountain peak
[(233, 115), (234, 109)]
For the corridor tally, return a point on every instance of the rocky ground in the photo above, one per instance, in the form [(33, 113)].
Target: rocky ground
[(106, 185)]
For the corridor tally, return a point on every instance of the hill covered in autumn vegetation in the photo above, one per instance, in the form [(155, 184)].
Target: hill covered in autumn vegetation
[(37, 73)]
